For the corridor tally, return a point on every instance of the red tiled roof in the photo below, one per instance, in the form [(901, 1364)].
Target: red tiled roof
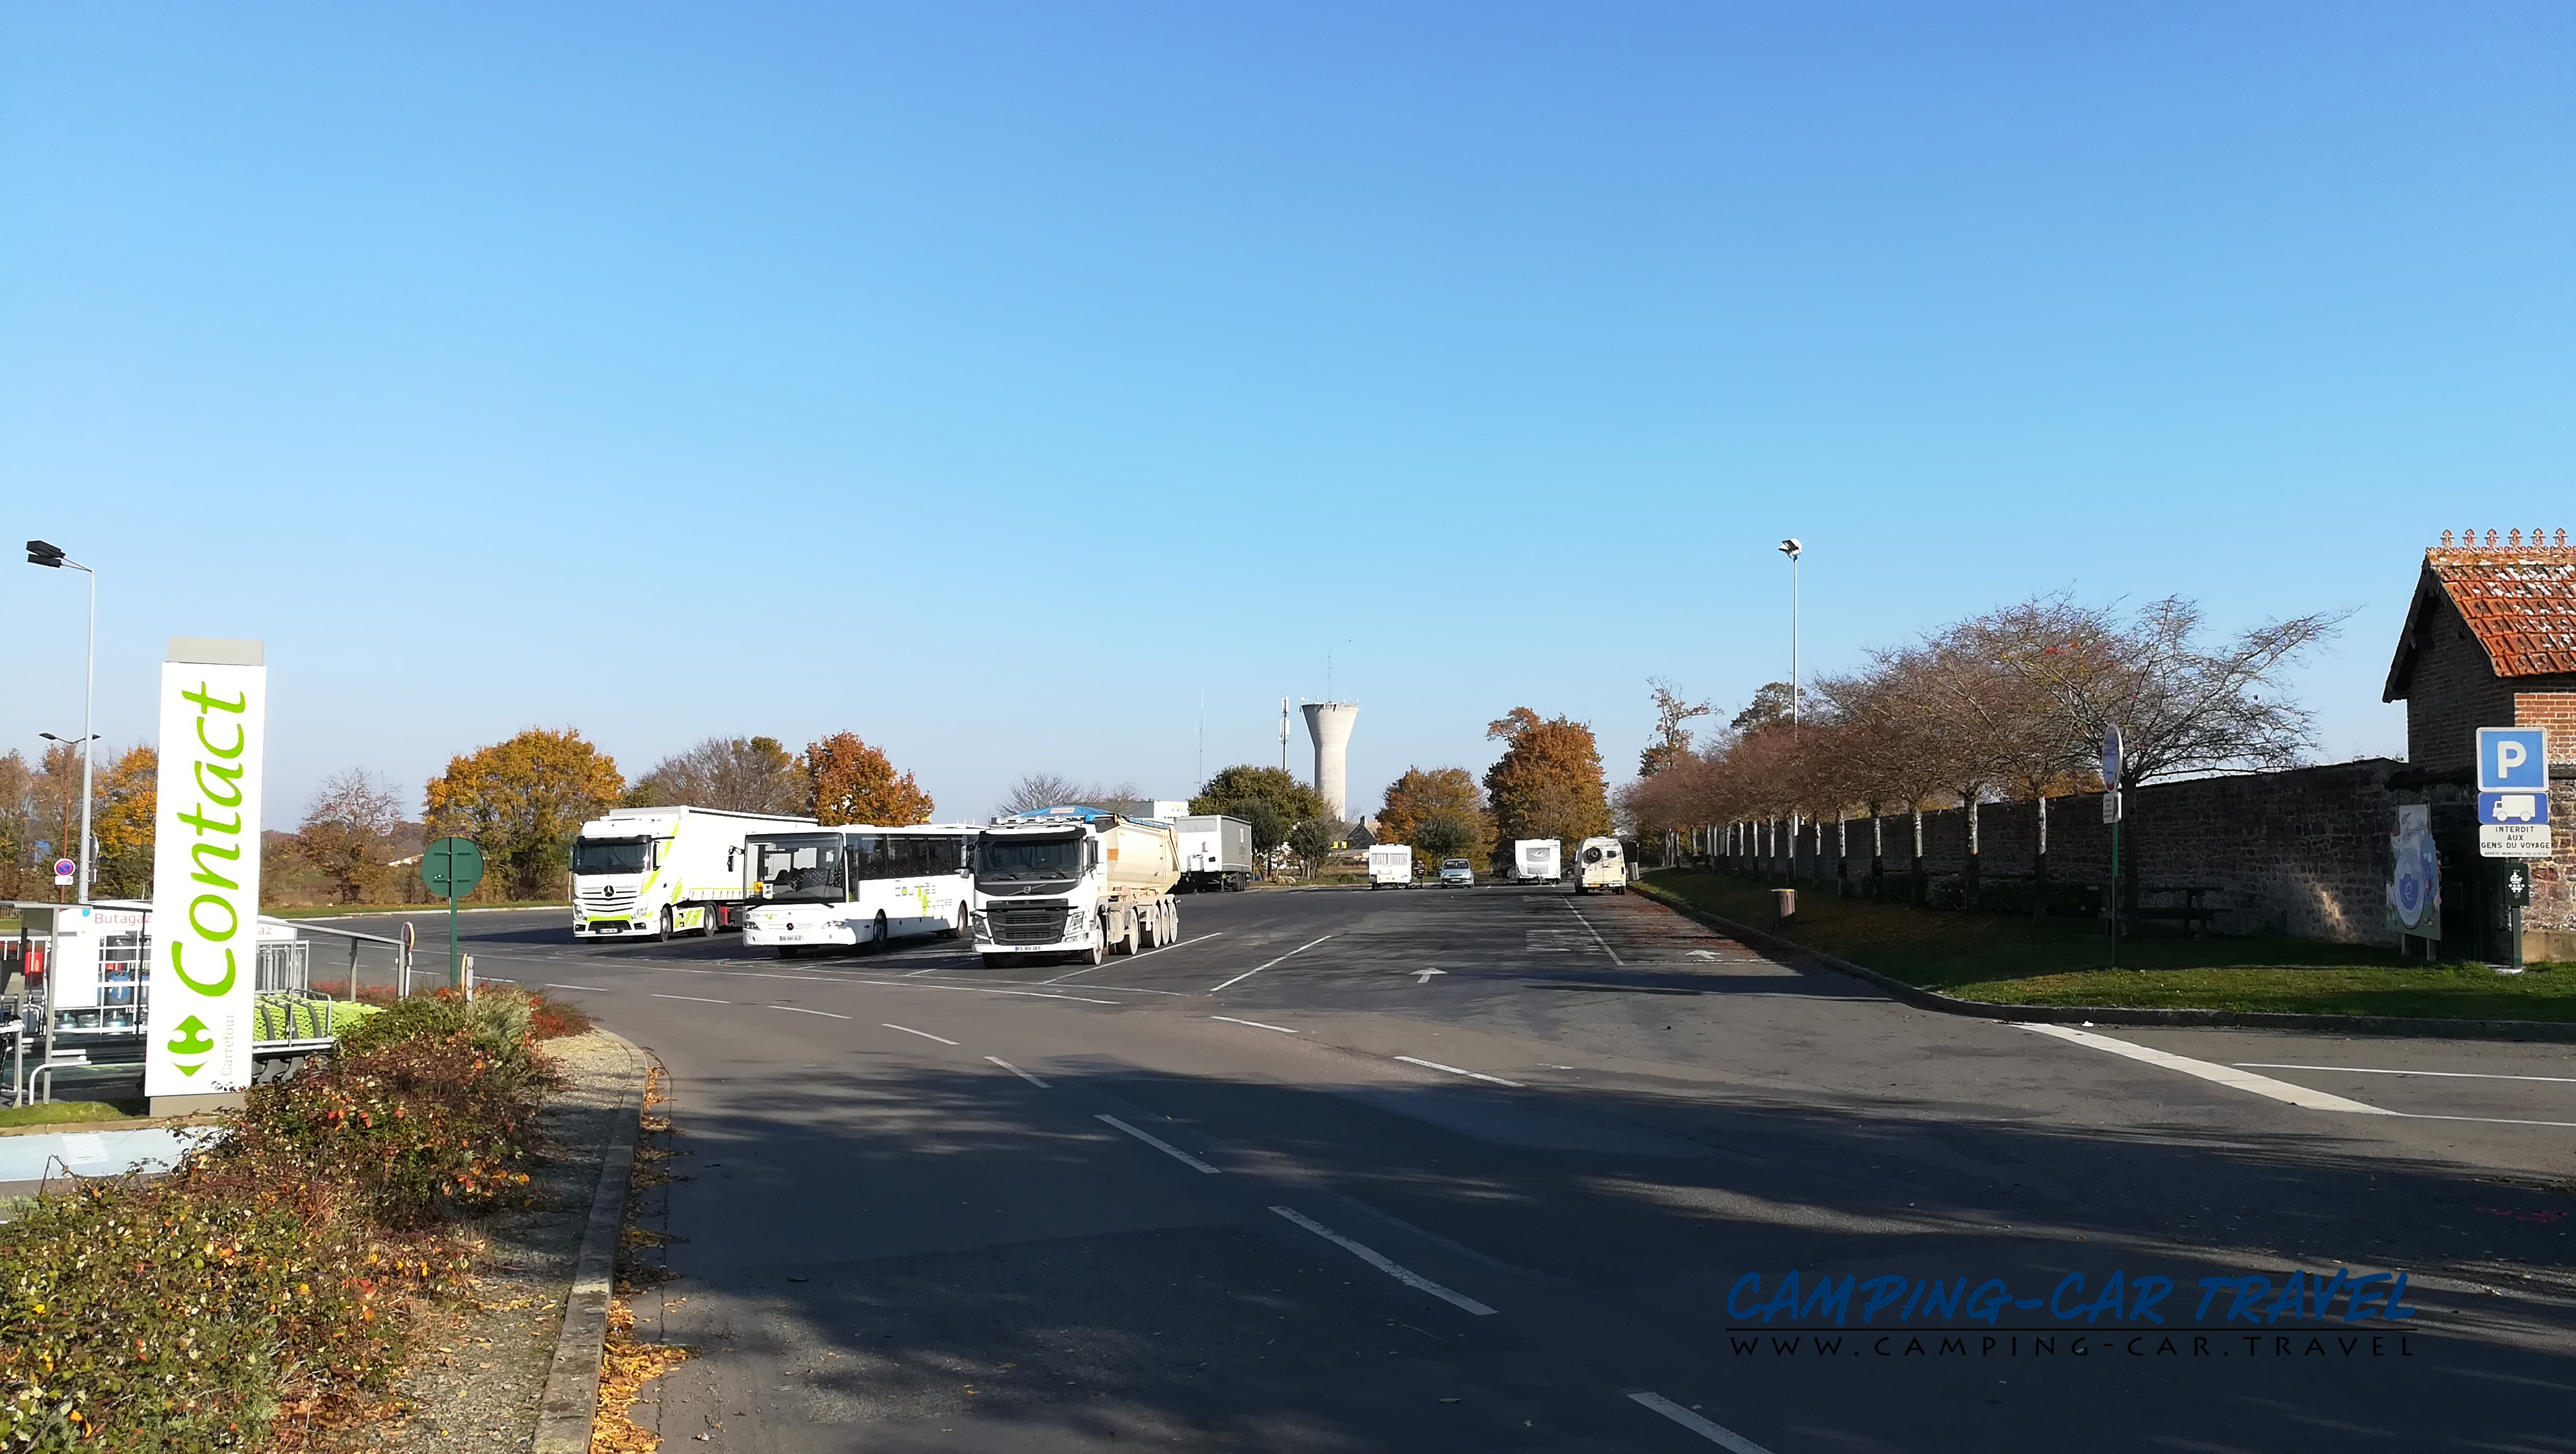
[(2519, 600)]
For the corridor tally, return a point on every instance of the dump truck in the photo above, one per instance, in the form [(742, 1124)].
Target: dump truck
[(1075, 882)]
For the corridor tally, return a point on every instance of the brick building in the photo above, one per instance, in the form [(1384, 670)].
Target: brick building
[(2490, 641)]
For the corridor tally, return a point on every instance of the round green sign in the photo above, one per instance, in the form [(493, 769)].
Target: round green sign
[(451, 867)]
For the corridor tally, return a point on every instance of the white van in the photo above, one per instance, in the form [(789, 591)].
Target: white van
[(1605, 867), (1390, 865)]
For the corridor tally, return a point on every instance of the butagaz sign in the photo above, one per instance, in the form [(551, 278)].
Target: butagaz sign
[(205, 869)]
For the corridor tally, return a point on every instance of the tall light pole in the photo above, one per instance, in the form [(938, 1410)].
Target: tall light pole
[(39, 553), (1792, 549)]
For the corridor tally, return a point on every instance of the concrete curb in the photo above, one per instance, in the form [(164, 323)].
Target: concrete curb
[(571, 1402), (1921, 998)]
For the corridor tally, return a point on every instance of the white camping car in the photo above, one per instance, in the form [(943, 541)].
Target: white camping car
[(1390, 865), (1605, 867), (855, 887), (1535, 860), (663, 871)]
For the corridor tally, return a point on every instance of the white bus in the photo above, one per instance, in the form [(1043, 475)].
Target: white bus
[(859, 887)]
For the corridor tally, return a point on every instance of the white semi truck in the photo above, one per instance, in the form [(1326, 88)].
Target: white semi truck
[(639, 872), (1216, 853), (1535, 860), (1605, 867), (1074, 881)]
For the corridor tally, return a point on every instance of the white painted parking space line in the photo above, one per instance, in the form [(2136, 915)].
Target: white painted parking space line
[(693, 999), (2226, 1075), (1719, 1435), (795, 1010), (1015, 1070), (1148, 954), (1377, 1260), (2481, 1120), (918, 973), (1595, 933), (1258, 968), (2444, 1074), (599, 989), (891, 984), (1159, 1144), (924, 1034), (1255, 1024), (1454, 1070)]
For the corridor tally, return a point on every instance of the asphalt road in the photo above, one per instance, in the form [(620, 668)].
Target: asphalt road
[(1282, 1186)]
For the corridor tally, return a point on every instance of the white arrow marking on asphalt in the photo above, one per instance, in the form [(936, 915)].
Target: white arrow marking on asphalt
[(1703, 954), (1423, 976)]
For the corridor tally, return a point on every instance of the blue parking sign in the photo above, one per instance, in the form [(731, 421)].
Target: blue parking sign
[(2513, 759)]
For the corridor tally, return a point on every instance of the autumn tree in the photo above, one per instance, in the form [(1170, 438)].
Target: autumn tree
[(521, 801), (1446, 833), (1267, 798), (1672, 740), (1312, 839), (350, 829), (1445, 794), (125, 803), (738, 774), (854, 783), (1548, 782)]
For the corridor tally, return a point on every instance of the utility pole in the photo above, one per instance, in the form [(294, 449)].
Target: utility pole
[(1792, 549)]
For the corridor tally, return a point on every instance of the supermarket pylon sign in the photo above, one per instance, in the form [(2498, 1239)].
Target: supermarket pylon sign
[(198, 1025)]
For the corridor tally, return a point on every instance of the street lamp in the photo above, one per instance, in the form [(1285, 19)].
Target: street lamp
[(1792, 549), (51, 556)]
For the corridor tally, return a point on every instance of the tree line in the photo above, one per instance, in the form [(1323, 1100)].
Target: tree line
[(2012, 704)]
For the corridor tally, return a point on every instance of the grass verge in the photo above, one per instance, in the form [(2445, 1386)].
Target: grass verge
[(60, 1113), (2014, 961), (360, 911)]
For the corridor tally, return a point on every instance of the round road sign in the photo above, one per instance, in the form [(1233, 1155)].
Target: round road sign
[(451, 867), (65, 868)]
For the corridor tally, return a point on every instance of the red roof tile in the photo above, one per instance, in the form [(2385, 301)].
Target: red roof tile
[(2521, 602)]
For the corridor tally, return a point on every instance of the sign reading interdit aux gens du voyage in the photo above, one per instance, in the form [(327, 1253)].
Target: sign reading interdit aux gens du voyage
[(205, 869)]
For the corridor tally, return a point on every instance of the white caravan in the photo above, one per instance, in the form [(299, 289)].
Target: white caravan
[(858, 887), (1390, 865), (1605, 867), (1075, 881), (1535, 860), (663, 871)]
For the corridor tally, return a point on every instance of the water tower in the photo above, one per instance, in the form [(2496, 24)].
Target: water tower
[(1329, 723)]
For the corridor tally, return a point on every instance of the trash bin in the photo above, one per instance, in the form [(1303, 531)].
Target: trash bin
[(1785, 905)]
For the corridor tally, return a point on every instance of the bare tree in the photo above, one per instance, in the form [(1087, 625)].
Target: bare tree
[(347, 832), (1672, 739), (1038, 790), (741, 774)]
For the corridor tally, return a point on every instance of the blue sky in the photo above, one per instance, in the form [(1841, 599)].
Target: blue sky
[(996, 381)]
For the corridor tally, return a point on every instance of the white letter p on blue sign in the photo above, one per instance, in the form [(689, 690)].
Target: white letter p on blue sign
[(2511, 758)]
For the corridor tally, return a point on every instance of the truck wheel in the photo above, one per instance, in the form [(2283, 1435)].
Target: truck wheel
[(1098, 954), (1149, 929), (958, 929), (707, 930), (662, 926)]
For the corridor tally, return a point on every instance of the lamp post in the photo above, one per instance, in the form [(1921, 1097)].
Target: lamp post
[(1792, 549), (40, 553)]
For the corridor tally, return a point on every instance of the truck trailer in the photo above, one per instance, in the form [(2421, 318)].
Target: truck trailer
[(1216, 853), (664, 871), (1074, 881), (1536, 860)]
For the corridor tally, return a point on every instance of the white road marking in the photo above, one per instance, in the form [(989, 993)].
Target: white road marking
[(1015, 1070), (2357, 1070), (1258, 968), (1596, 934), (2481, 1120), (693, 999), (1255, 1024), (1159, 1144), (1724, 1438), (593, 988), (794, 1010), (1148, 954), (891, 984), (2226, 1075), (1454, 1070), (1375, 1259), (1423, 976), (924, 1034), (918, 973)]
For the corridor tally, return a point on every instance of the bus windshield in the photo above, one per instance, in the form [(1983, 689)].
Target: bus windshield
[(1021, 856), (612, 855), (799, 868)]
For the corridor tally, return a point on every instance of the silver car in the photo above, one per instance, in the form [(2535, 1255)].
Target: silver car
[(1457, 873)]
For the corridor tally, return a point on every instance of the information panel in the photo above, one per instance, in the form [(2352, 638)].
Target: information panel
[(205, 869)]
